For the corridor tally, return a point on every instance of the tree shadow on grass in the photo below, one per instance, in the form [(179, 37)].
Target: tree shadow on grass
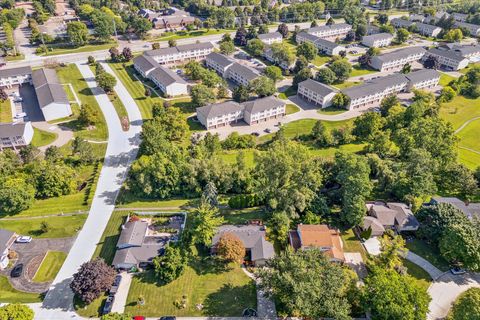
[(230, 300)]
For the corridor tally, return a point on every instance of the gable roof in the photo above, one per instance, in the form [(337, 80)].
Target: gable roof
[(337, 26), (470, 210), (428, 27), (262, 104), (374, 86), (12, 129), (219, 109), (422, 75), (393, 213), (166, 76), (373, 223), (133, 233), (271, 35), (321, 236), (12, 72), (317, 87), (450, 54), (180, 48), (48, 88), (220, 59), (378, 36), (246, 72), (6, 239), (398, 54), (145, 63)]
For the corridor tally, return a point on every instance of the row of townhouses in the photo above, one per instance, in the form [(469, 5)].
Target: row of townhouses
[(377, 40), (221, 114), (424, 29), (15, 135), (332, 32), (324, 46), (455, 56), (230, 69), (180, 54), (170, 83), (269, 38), (395, 60)]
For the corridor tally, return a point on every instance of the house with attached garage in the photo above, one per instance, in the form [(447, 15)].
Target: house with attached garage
[(181, 54), (241, 74), (7, 238), (460, 17), (395, 60), (263, 109), (316, 92), (422, 79), (15, 76), (471, 52), (144, 65), (377, 40), (448, 59), (51, 95), (323, 46), (332, 32), (269, 38), (15, 135), (471, 210), (382, 216), (401, 23)]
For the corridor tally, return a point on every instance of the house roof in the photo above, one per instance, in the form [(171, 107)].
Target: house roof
[(321, 236), (398, 54), (166, 76), (262, 250), (383, 214), (145, 63), (136, 255), (326, 43), (13, 129), (20, 71), (220, 59), (428, 27), (401, 22), (450, 54), (373, 223), (246, 72), (271, 35), (467, 25), (374, 86), (48, 88), (422, 75), (371, 29), (317, 87), (378, 36), (180, 48), (404, 216), (470, 210), (337, 26), (262, 104), (466, 49), (5, 239), (392, 213), (307, 36), (219, 109), (133, 233)]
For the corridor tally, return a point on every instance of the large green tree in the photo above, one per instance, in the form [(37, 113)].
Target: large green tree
[(205, 221), (467, 306), (171, 264), (77, 33), (16, 311), (15, 195)]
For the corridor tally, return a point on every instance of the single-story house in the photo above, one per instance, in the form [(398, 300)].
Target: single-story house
[(389, 215), (7, 238), (471, 210)]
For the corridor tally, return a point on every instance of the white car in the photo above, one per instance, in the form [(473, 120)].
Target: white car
[(23, 239)]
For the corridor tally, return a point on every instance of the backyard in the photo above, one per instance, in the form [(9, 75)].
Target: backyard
[(42, 138), (359, 70), (5, 111)]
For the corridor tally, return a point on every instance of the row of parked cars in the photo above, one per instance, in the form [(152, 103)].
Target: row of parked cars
[(107, 307)]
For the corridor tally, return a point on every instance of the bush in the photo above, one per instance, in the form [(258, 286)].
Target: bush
[(244, 201)]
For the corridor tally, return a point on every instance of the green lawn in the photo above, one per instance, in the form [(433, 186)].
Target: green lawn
[(469, 136), (230, 156), (118, 105), (320, 60), (331, 111), (42, 138), (106, 247), (9, 295), (445, 79), (291, 108), (15, 58), (428, 252), (358, 70), (59, 226), (128, 201), (352, 244), (86, 48), (242, 216), (5, 111), (347, 84), (469, 158), (221, 292), (50, 266), (421, 276), (471, 65), (71, 74), (192, 34), (287, 93)]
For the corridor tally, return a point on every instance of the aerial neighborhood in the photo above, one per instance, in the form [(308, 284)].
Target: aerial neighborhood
[(224, 159)]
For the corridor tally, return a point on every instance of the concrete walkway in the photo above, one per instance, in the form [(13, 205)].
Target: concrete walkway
[(265, 306), (121, 151), (433, 271), (64, 134), (122, 293)]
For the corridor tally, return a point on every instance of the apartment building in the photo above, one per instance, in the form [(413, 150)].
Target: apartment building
[(423, 79), (144, 65), (472, 28), (378, 40), (428, 30), (401, 23), (371, 29), (395, 60), (460, 17), (448, 59), (15, 76), (218, 62), (15, 135), (263, 109), (268, 54), (324, 46), (471, 52), (170, 83), (332, 32), (417, 17), (241, 74), (269, 38), (316, 92), (180, 54)]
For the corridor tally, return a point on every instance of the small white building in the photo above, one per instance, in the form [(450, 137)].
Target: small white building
[(220, 114), (377, 40), (316, 92), (15, 135), (269, 38), (324, 46), (332, 32), (15, 76), (182, 53), (448, 59), (263, 109), (170, 83), (394, 61)]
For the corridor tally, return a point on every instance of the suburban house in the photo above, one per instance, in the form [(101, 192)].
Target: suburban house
[(170, 83), (51, 95), (417, 17), (401, 23), (268, 54), (180, 54), (472, 28), (269, 38), (218, 62), (15, 76), (332, 32), (241, 74), (257, 249), (263, 109), (323, 46), (7, 238), (394, 61), (318, 236), (316, 92), (471, 210), (428, 30), (389, 215), (448, 59), (170, 18), (144, 65), (15, 134), (377, 40)]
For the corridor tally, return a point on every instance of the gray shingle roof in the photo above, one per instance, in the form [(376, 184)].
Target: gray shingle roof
[(378, 36), (308, 36), (246, 72), (262, 104), (422, 75), (166, 76), (398, 54), (450, 54), (161, 51), (336, 26), (48, 88), (219, 109), (136, 255), (5, 238), (181, 48), (271, 35), (401, 22), (133, 234), (220, 59), (4, 73), (317, 87), (425, 26), (145, 63), (12, 129), (466, 49), (374, 86)]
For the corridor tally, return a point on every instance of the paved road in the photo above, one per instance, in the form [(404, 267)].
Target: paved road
[(64, 134), (121, 151)]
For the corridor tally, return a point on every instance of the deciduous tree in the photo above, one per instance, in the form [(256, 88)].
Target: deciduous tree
[(205, 222), (171, 264), (92, 280), (16, 311), (230, 248)]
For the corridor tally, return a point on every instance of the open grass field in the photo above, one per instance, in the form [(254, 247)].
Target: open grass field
[(230, 156), (59, 226), (347, 84), (71, 74), (86, 48), (469, 136), (331, 111), (9, 295), (469, 158), (321, 59), (291, 108), (421, 276), (5, 111), (445, 79), (428, 252), (50, 266), (222, 291), (358, 70), (42, 138)]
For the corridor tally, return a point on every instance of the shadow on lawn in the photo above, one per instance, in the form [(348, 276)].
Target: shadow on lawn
[(230, 300)]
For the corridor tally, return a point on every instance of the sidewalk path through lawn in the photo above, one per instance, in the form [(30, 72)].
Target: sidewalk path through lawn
[(433, 271)]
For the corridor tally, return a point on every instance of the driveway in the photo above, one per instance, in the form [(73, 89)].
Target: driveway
[(30, 255), (355, 261), (372, 246), (122, 293)]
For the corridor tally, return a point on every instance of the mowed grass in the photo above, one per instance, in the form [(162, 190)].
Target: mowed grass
[(190, 34), (330, 152), (421, 276), (428, 252), (469, 158), (86, 48), (445, 79), (320, 60), (42, 138), (106, 247), (50, 266), (5, 111), (243, 216), (10, 295), (331, 111), (352, 244), (460, 110), (469, 136), (358, 70), (347, 84), (291, 108), (118, 105), (59, 226)]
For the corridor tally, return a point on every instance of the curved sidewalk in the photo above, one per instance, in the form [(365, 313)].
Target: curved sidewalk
[(433, 271)]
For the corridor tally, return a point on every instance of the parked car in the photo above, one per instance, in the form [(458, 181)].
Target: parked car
[(457, 271), (17, 271), (23, 239), (138, 318), (168, 318), (267, 130), (256, 134), (116, 283), (107, 307)]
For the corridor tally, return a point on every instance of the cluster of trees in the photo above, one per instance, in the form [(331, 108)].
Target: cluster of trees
[(467, 85), (209, 78), (125, 56), (337, 72), (262, 86), (9, 21), (16, 311), (43, 10), (105, 80), (467, 305)]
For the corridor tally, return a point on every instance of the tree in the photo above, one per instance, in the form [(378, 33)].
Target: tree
[(240, 93), (382, 18), (447, 94), (392, 251), (91, 60), (171, 264), (53, 179), (227, 47), (302, 75), (407, 68), (274, 73), (313, 24), (3, 95), (263, 29), (298, 280), (172, 43), (252, 32), (29, 153), (15, 195), (88, 115), (300, 63), (282, 54), (308, 50), (256, 47), (52, 154), (106, 81), (279, 226), (453, 35), (230, 248), (340, 100), (402, 35), (389, 295), (205, 222), (92, 280), (240, 37), (321, 135), (367, 126), (431, 62), (326, 75), (140, 25), (16, 311), (127, 54), (210, 194), (77, 33), (155, 46), (283, 29), (103, 25), (460, 244), (342, 69), (83, 150), (202, 95), (467, 306), (263, 86)]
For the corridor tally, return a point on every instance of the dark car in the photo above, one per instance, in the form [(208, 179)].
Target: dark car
[(168, 318), (107, 307), (256, 134), (17, 271), (2, 64), (115, 284)]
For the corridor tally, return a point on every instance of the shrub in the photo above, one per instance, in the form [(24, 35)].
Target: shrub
[(244, 201)]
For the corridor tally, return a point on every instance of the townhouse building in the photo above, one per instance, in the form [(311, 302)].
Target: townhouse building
[(371, 29), (15, 135), (218, 62), (471, 52), (144, 65), (269, 38), (316, 92), (401, 23), (472, 28), (423, 79), (324, 46), (428, 30), (15, 76), (460, 17), (448, 59), (417, 17), (378, 40), (170, 83), (180, 54), (332, 32), (51, 95), (263, 109), (394, 61), (241, 74)]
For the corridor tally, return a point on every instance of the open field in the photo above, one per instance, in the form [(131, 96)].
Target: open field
[(9, 295), (59, 226), (50, 266), (469, 137), (5, 111), (358, 70), (469, 158), (42, 138), (87, 48)]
